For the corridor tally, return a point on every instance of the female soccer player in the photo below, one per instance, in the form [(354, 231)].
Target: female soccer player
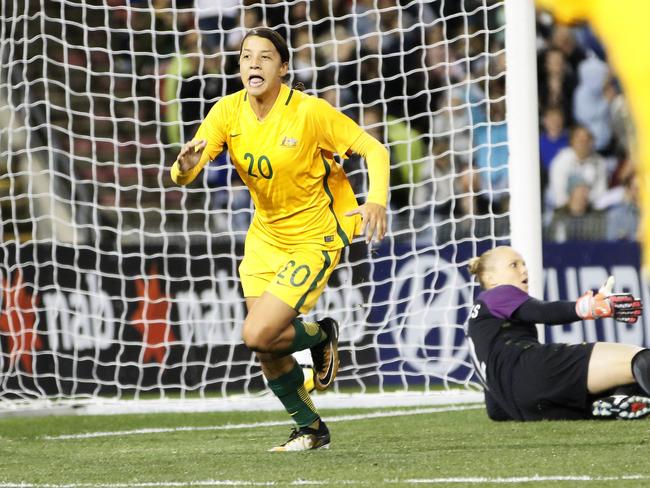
[(282, 142), (526, 380)]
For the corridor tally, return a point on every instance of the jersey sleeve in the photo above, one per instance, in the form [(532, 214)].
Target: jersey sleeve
[(376, 157), (336, 131), (502, 301), (213, 129), (552, 313)]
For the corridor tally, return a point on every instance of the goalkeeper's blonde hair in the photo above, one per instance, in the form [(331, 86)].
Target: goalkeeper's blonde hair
[(478, 265)]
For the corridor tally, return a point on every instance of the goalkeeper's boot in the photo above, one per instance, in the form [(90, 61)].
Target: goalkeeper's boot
[(621, 407), (306, 439), (325, 355)]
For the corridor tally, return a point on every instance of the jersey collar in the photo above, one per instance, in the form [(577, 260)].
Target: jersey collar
[(283, 99)]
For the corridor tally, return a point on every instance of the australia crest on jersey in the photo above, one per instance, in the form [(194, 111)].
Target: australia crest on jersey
[(289, 142)]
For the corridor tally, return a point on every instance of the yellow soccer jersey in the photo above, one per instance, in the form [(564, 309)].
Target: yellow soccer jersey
[(300, 193)]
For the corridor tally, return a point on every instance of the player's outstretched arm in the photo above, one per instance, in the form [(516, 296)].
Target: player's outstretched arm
[(550, 313), (187, 167), (623, 307)]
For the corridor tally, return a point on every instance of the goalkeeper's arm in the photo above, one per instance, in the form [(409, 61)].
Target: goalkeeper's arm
[(623, 307), (538, 312)]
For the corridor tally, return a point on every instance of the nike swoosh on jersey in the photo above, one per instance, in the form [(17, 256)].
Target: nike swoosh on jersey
[(235, 135)]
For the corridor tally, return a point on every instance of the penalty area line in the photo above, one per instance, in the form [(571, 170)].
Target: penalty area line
[(255, 425)]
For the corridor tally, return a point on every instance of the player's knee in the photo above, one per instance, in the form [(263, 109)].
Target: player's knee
[(494, 411), (256, 339), (253, 340), (641, 369)]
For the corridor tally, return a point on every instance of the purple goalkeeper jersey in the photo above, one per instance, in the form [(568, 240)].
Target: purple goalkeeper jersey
[(491, 322), (503, 300)]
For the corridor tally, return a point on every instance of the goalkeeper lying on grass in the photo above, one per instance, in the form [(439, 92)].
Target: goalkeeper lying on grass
[(526, 380)]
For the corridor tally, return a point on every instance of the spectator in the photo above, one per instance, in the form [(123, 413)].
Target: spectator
[(304, 69), (553, 138), (365, 16), (491, 144), (577, 159), (248, 19), (577, 220), (339, 56), (623, 217), (592, 99), (471, 211), (216, 19), (563, 38), (325, 16), (441, 185), (199, 90), (407, 151), (371, 81), (622, 125), (556, 82), (180, 67), (452, 122), (442, 70), (172, 19), (397, 44)]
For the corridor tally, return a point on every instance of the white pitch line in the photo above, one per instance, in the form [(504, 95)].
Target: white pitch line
[(299, 482), (523, 479), (273, 423)]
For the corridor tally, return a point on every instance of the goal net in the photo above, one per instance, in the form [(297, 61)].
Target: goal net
[(118, 285)]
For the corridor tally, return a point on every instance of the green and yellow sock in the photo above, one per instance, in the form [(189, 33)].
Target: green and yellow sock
[(308, 334), (290, 390)]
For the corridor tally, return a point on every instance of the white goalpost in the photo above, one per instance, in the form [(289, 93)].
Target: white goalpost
[(120, 290)]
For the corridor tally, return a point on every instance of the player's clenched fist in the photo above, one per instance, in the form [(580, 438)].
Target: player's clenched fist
[(190, 154)]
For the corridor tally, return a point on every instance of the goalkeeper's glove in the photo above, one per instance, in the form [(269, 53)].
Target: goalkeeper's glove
[(624, 307)]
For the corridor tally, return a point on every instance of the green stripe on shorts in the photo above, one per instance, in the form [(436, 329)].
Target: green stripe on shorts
[(314, 283)]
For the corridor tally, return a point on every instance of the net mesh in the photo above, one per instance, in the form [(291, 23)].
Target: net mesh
[(119, 284)]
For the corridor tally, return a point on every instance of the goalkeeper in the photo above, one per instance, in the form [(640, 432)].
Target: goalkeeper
[(282, 143), (526, 380)]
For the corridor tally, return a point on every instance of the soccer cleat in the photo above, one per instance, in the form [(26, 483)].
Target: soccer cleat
[(326, 355), (621, 407), (306, 439)]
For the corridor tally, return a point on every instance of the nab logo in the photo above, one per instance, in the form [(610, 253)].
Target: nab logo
[(289, 142), (430, 301)]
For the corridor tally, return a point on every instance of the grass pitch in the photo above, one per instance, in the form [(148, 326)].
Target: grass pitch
[(425, 447)]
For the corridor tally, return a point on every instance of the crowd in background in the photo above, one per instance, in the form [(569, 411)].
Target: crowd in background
[(590, 188), (425, 78)]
